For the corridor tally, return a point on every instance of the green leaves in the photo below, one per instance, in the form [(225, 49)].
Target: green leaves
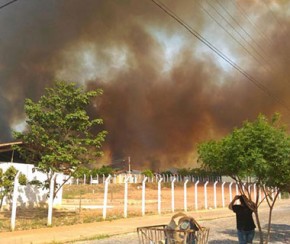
[(259, 148), (59, 135), (7, 182)]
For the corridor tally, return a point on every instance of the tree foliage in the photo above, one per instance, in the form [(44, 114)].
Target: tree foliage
[(7, 183), (60, 135), (257, 153), (148, 173)]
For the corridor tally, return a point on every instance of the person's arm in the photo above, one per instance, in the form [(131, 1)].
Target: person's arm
[(251, 205), (233, 201)]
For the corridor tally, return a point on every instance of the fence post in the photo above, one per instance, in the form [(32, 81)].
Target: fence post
[(14, 200), (230, 190), (185, 195), (214, 194), (223, 194), (205, 194), (143, 195), (50, 200), (107, 181), (195, 194), (172, 194), (126, 197), (84, 179), (159, 195)]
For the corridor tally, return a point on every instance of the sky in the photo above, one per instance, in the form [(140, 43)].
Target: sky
[(174, 73)]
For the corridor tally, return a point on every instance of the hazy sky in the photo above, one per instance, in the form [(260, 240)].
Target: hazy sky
[(165, 90)]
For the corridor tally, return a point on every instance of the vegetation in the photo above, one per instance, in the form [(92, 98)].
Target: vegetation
[(148, 173), (7, 183), (59, 136), (257, 153)]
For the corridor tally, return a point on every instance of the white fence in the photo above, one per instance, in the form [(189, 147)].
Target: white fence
[(198, 197), (138, 178)]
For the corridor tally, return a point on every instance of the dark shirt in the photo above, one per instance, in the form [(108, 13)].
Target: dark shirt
[(244, 218)]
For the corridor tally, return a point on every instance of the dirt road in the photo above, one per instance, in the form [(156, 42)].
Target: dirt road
[(222, 230)]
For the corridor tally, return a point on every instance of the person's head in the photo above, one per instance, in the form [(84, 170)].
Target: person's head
[(242, 200)]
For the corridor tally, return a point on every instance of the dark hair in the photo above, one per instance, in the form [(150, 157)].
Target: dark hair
[(242, 200)]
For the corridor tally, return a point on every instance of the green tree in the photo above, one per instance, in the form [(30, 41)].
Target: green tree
[(104, 170), (60, 135), (148, 173), (7, 183), (257, 153)]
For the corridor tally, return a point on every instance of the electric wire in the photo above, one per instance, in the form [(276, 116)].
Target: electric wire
[(6, 4), (232, 36), (247, 17), (247, 34), (220, 54)]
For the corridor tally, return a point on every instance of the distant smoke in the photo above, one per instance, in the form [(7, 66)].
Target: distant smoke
[(164, 91)]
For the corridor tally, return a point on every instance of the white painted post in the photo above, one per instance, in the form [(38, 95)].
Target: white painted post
[(185, 194), (195, 194), (126, 198), (214, 194), (107, 181), (230, 190), (50, 200), (223, 194), (172, 194), (91, 179), (159, 195), (205, 195), (84, 179), (77, 181), (143, 195), (14, 200)]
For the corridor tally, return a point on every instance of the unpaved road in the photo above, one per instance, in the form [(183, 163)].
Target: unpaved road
[(222, 230)]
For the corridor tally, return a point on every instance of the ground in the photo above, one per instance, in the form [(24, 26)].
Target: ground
[(83, 203)]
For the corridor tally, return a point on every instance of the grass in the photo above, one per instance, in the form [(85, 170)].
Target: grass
[(91, 238)]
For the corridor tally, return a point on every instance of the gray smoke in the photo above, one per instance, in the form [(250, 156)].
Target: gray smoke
[(164, 91)]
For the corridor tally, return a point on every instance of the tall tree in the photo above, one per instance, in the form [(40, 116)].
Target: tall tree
[(257, 154), (59, 136)]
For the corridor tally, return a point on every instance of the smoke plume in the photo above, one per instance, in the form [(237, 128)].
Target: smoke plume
[(164, 90)]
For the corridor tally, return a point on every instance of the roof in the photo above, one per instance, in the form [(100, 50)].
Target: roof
[(7, 154), (4, 147)]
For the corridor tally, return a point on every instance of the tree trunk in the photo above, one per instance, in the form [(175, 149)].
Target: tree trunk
[(1, 202), (259, 227), (270, 216), (269, 225)]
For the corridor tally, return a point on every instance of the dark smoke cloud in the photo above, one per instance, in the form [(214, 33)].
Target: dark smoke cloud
[(157, 105)]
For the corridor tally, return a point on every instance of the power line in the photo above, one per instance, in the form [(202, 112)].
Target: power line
[(6, 4), (245, 15), (230, 34), (219, 53), (247, 34)]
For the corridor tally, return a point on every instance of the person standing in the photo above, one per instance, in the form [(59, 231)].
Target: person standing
[(244, 218)]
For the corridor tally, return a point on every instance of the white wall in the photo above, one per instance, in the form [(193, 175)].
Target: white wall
[(31, 195)]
